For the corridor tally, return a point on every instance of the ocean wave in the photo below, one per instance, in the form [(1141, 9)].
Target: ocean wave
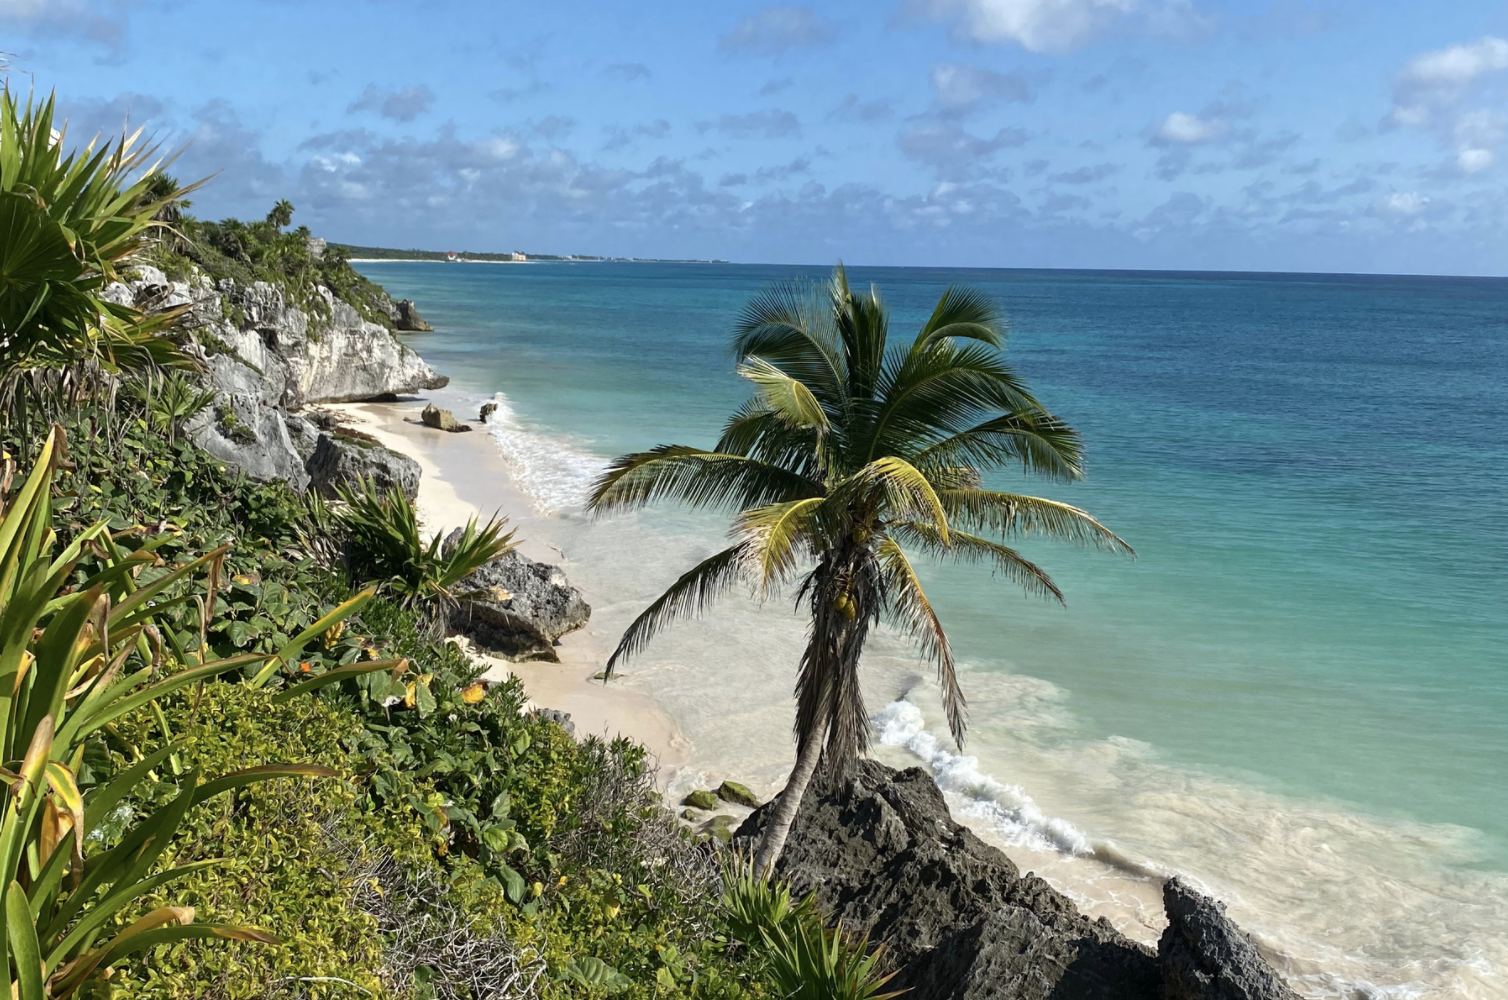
[(555, 471), (1006, 808)]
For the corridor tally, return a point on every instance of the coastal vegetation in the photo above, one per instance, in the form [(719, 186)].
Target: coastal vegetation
[(240, 759), (854, 456)]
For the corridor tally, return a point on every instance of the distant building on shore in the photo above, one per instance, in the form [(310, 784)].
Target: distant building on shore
[(518, 255), (452, 256)]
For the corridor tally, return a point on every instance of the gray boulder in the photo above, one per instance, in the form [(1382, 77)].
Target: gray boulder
[(343, 459), (1204, 956), (488, 409), (961, 921), (517, 607)]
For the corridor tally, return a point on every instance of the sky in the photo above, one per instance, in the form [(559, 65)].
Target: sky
[(1275, 135)]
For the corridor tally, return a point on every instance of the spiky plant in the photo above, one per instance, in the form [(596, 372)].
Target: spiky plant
[(385, 547), (854, 455), (69, 223), (72, 660)]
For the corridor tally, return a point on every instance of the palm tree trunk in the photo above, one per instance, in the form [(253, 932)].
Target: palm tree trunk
[(773, 842)]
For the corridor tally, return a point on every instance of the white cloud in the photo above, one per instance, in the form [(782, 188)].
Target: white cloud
[(399, 105), (99, 20), (775, 30), (1404, 203), (1474, 161), (1454, 92), (960, 89), (1058, 25), (1188, 130)]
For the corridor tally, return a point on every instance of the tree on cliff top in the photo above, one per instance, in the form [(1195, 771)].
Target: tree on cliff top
[(854, 455)]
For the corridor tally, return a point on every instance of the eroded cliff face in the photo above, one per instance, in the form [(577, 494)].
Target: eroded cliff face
[(264, 356)]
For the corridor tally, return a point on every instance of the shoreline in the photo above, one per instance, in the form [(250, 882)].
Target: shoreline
[(463, 476), (447, 500)]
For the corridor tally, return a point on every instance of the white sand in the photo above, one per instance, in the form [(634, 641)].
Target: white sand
[(463, 477)]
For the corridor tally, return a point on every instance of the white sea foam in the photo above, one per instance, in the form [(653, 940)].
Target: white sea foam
[(555, 471), (1007, 808)]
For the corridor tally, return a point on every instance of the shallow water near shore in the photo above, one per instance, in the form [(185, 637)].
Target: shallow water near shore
[(1297, 694)]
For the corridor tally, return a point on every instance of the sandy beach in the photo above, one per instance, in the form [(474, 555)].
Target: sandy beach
[(463, 477)]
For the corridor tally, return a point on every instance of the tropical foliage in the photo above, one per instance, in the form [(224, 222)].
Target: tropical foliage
[(70, 222), (385, 546), (76, 655), (266, 250), (855, 456)]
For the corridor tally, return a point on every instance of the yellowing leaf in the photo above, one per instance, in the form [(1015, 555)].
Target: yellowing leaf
[(474, 693)]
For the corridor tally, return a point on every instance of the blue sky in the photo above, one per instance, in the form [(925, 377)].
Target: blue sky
[(1333, 135)]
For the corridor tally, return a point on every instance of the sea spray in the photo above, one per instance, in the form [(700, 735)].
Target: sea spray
[(1006, 808), (554, 470)]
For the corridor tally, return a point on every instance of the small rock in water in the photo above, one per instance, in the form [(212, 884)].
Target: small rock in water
[(700, 799), (688, 814), (720, 826), (739, 795), (408, 318), (488, 409)]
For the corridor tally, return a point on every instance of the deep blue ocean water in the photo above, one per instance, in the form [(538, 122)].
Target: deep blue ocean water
[(1313, 470)]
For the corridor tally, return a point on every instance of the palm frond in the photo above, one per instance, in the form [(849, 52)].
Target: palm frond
[(786, 397), (892, 488), (789, 325), (908, 604), (1011, 514), (777, 536), (690, 596), (698, 478), (961, 546), (1036, 440), (966, 313)]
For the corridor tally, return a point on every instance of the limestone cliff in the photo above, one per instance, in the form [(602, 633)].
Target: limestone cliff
[(266, 356)]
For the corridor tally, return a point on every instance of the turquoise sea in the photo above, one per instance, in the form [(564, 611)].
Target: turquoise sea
[(1305, 668)]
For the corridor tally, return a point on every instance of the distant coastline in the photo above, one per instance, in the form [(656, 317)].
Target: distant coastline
[(378, 255)]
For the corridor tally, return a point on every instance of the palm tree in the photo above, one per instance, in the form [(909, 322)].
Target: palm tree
[(281, 214), (853, 455)]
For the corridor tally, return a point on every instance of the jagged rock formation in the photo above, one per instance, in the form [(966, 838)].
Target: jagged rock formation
[(406, 317), (517, 607), (441, 420), (959, 918), (266, 356), (1205, 956), (342, 459)]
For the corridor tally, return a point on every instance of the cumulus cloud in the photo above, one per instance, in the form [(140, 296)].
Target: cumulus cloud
[(1059, 25), (1455, 93), (961, 89), (619, 137), (951, 151), (1404, 203), (773, 31), (784, 171), (1183, 129), (398, 105), (772, 124)]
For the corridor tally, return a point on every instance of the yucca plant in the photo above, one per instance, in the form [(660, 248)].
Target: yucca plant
[(810, 962), (73, 658), (69, 224), (170, 400), (385, 547), (856, 455), (804, 959)]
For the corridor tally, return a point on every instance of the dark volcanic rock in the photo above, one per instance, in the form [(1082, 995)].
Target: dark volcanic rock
[(1204, 956), (960, 920), (517, 607), (343, 460), (406, 317)]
